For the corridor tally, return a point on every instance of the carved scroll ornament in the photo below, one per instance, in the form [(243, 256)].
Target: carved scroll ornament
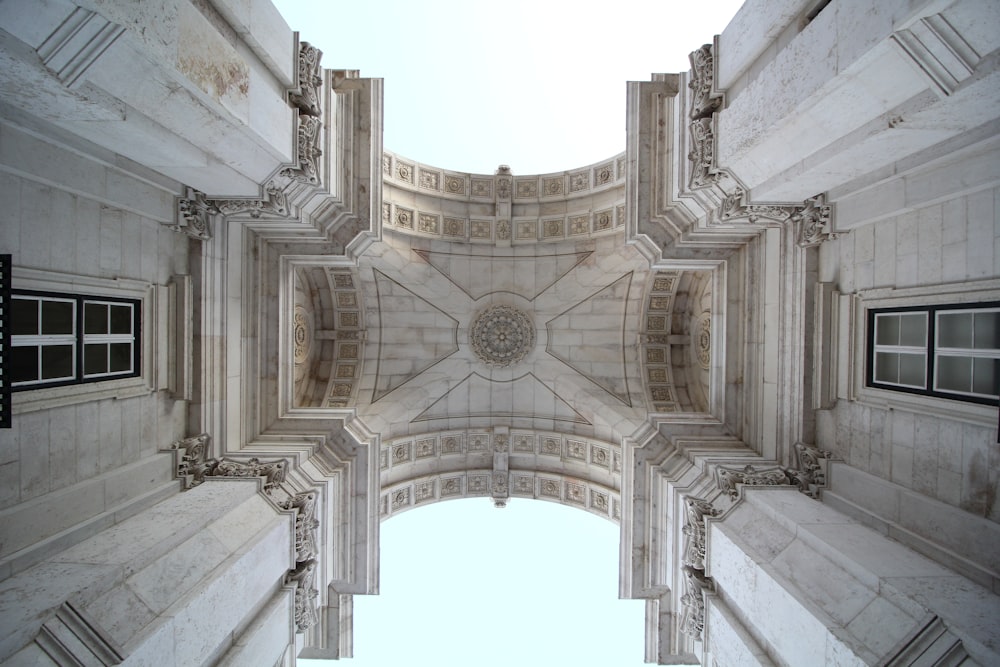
[(273, 472), (305, 525), (306, 98), (814, 222), (693, 603), (729, 478), (306, 614), (694, 531), (194, 464)]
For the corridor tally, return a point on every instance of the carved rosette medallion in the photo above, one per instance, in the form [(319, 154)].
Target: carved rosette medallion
[(502, 336)]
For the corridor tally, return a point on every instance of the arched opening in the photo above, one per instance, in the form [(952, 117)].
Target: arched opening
[(463, 583)]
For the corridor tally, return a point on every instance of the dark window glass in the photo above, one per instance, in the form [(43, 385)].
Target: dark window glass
[(95, 318), (24, 317), (57, 362)]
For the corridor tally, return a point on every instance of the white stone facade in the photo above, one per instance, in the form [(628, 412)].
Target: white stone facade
[(675, 338)]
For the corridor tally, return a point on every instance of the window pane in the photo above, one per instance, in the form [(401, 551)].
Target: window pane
[(912, 368), (57, 317), (987, 331), (121, 319), (955, 330), (887, 367), (954, 373), (57, 362), (887, 329), (24, 317), (985, 376), (24, 363), (95, 318), (913, 329), (95, 359), (121, 357)]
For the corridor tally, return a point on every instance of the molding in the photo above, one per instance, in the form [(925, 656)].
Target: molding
[(76, 44), (73, 638)]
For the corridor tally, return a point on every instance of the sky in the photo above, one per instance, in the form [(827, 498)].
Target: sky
[(538, 85), (535, 84)]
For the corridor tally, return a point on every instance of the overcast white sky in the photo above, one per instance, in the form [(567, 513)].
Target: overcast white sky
[(538, 85)]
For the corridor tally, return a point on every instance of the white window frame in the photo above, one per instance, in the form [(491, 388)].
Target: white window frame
[(853, 348), (44, 398)]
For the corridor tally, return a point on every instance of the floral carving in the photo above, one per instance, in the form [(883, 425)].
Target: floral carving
[(693, 603), (500, 489), (306, 98), (703, 340), (728, 478), (305, 525), (193, 464), (194, 216), (273, 203), (696, 510), (273, 472), (503, 230), (808, 473), (304, 576), (814, 222), (703, 103), (308, 151), (501, 336), (702, 153), (736, 209), (301, 335)]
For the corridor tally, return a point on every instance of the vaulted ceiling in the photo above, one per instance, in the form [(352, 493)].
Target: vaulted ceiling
[(526, 310)]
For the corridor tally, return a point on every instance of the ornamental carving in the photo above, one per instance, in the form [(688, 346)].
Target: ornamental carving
[(193, 463), (702, 153), (703, 340), (814, 222), (273, 203), (306, 98), (501, 336), (504, 182), (194, 216), (808, 473), (729, 478), (503, 230), (304, 576), (500, 489), (703, 103), (693, 603), (500, 444), (305, 525), (273, 472), (735, 208), (301, 335), (308, 151), (696, 510)]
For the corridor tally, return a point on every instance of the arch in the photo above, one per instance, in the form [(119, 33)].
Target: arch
[(583, 473)]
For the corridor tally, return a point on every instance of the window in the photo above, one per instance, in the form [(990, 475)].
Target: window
[(59, 339), (952, 351)]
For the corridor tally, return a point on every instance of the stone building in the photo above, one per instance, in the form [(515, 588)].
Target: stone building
[(239, 333)]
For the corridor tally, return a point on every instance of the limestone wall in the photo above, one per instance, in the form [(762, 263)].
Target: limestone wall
[(950, 241), (85, 225)]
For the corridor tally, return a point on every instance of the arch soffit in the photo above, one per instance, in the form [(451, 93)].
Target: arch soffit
[(584, 473)]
